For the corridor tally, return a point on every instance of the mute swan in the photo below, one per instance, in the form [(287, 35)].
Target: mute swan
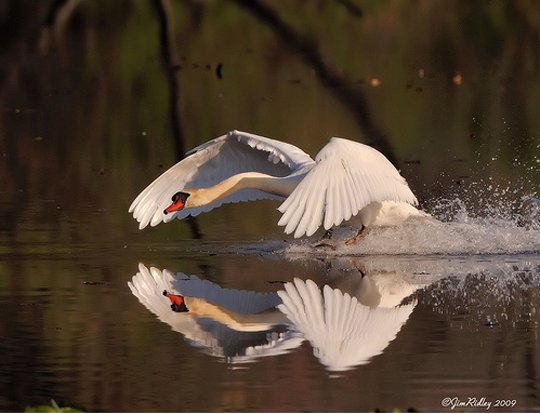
[(347, 179)]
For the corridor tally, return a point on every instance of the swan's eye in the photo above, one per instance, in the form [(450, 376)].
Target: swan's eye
[(180, 195)]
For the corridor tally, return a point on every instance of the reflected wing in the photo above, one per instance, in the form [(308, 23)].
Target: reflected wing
[(211, 163), (213, 337), (347, 177), (147, 286), (342, 332)]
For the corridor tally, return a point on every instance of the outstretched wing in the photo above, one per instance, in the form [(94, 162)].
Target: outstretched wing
[(347, 177), (343, 332), (211, 163)]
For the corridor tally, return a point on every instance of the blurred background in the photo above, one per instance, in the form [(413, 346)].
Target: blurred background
[(98, 97)]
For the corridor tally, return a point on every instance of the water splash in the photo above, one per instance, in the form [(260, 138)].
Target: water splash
[(487, 201), (483, 218), (500, 294)]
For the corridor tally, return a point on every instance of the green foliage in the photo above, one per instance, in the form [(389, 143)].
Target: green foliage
[(53, 408)]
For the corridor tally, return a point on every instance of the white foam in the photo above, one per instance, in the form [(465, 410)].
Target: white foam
[(458, 230)]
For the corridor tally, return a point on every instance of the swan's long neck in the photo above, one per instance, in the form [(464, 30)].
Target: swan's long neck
[(241, 322), (281, 186)]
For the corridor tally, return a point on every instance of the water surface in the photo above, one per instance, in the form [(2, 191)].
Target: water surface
[(98, 98), (469, 328)]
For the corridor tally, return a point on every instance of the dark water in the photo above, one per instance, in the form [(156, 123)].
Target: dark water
[(471, 330), (97, 98)]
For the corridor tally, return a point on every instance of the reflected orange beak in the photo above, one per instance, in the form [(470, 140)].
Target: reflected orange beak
[(177, 302)]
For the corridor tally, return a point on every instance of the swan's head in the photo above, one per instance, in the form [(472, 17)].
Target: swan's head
[(178, 304), (178, 202)]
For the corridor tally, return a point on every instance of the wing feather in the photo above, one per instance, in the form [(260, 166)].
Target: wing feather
[(295, 213), (344, 199), (352, 185), (330, 202), (343, 332), (307, 223), (351, 176), (316, 217), (211, 163)]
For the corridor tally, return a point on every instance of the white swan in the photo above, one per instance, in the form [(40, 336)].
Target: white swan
[(347, 179)]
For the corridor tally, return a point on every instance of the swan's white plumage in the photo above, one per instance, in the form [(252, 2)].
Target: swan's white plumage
[(343, 332), (147, 286), (211, 163), (346, 178)]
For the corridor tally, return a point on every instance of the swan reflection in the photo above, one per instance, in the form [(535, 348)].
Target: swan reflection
[(238, 325), (342, 331), (346, 324)]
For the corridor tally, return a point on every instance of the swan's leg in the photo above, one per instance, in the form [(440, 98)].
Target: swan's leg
[(328, 234), (363, 232), (361, 267), (325, 239)]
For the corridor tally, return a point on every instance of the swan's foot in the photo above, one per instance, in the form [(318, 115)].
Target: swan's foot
[(362, 233)]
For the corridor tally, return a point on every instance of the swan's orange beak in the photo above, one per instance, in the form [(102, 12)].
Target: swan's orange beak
[(178, 202), (177, 302)]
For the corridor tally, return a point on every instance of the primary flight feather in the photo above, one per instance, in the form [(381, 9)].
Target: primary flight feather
[(346, 180)]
